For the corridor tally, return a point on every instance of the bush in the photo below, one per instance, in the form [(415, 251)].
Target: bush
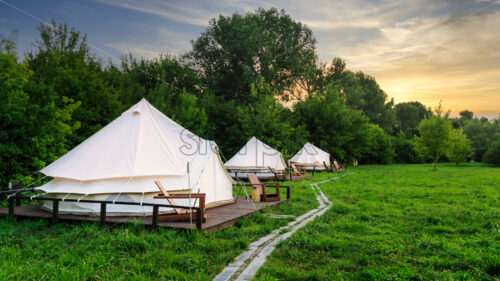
[(458, 146), (492, 155), (404, 150), (378, 149)]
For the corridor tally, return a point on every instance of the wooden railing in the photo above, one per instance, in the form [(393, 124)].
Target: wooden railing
[(15, 200)]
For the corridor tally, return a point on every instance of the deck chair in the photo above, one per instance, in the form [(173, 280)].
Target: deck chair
[(180, 214), (278, 174), (328, 168), (264, 195), (298, 171), (338, 168)]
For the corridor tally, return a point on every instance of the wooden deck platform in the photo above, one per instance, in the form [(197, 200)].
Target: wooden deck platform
[(218, 218), (272, 178)]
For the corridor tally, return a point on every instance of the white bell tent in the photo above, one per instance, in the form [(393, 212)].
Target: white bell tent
[(256, 156), (311, 157), (122, 160)]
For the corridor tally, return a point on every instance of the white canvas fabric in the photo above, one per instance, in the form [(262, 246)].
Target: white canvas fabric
[(123, 160), (256, 156), (310, 157)]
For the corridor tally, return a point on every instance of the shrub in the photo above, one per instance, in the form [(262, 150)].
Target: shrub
[(404, 150), (492, 155)]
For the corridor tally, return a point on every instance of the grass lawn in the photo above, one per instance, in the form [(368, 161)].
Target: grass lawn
[(32, 250), (399, 222)]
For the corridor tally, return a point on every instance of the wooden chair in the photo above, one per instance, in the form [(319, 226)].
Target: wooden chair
[(298, 171), (180, 214), (278, 174), (328, 168), (338, 168), (264, 195)]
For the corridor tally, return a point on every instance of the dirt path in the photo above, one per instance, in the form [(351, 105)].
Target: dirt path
[(246, 265)]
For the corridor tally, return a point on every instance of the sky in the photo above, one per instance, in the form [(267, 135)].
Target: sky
[(427, 51)]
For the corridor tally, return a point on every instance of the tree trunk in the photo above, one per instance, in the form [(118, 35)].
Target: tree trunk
[(435, 163)]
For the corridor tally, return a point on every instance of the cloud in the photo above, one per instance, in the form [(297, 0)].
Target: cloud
[(416, 49), (167, 42), (181, 12)]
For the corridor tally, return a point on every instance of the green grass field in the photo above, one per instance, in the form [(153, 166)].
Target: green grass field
[(32, 250), (399, 222), (386, 222)]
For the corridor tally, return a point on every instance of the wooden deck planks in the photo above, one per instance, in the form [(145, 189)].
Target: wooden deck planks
[(218, 218)]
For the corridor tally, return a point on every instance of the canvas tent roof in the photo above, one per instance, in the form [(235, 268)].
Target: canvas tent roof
[(311, 155), (256, 155), (140, 142), (126, 157)]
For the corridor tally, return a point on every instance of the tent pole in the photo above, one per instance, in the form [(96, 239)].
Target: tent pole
[(189, 188)]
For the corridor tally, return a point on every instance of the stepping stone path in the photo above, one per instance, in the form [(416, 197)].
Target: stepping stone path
[(246, 265)]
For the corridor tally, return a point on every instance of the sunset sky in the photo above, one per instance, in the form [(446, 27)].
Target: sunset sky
[(428, 51)]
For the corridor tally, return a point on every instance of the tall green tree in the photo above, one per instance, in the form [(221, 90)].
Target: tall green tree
[(409, 115), (378, 149), (63, 67), (361, 91), (465, 115), (458, 146), (32, 133), (492, 155), (232, 123), (482, 133), (433, 138), (404, 149), (237, 51), (166, 70), (332, 125), (267, 119), (183, 108)]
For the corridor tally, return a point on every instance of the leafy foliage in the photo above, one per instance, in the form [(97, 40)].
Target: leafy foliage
[(378, 149), (62, 66), (265, 118), (26, 143), (492, 155), (409, 115), (458, 146), (332, 125), (433, 140), (404, 149), (361, 91), (237, 51), (482, 133)]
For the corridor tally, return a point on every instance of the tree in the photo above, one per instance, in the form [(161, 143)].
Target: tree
[(165, 70), (332, 125), (32, 133), (404, 149), (232, 123), (374, 102), (458, 146), (482, 133), (409, 115), (465, 115), (63, 67), (492, 155), (434, 132), (379, 148), (271, 122), (361, 91), (237, 51), (183, 108)]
